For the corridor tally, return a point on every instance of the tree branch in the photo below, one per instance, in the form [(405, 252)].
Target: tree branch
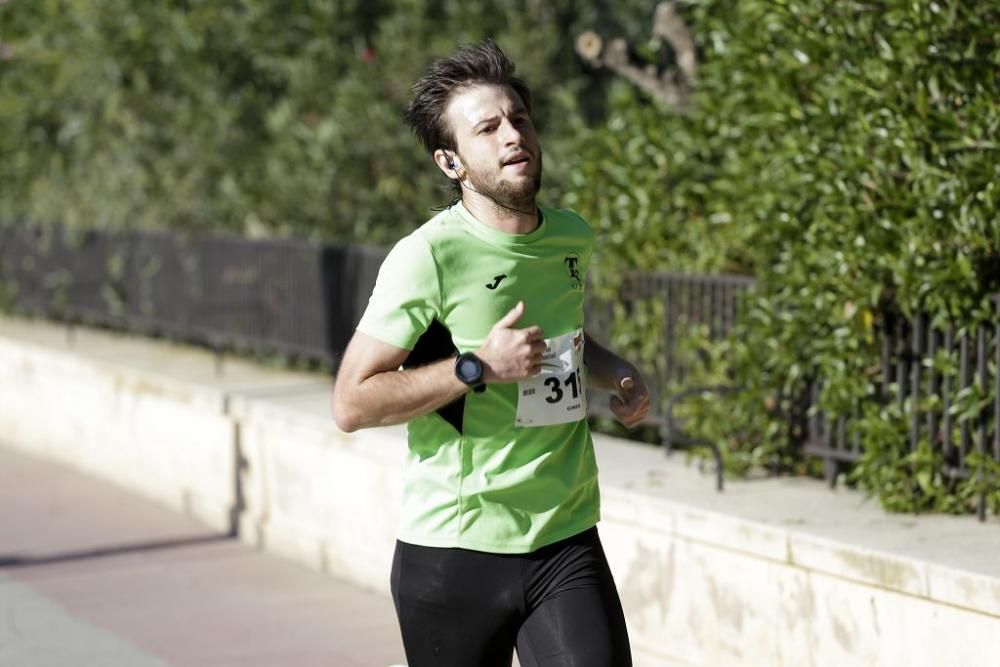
[(671, 86)]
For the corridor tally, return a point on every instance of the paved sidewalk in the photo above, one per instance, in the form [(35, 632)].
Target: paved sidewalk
[(91, 575)]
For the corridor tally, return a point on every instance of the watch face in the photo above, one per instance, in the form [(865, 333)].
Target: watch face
[(468, 370)]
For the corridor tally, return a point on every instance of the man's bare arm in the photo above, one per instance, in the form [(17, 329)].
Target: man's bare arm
[(371, 390), (606, 370)]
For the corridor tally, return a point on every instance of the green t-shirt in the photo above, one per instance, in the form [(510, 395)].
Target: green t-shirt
[(477, 477)]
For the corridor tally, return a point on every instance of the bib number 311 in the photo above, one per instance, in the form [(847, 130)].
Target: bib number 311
[(557, 395)]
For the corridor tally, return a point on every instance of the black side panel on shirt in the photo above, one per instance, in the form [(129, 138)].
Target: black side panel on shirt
[(434, 344)]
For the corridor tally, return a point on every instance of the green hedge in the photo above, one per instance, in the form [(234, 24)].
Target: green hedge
[(258, 116), (846, 154)]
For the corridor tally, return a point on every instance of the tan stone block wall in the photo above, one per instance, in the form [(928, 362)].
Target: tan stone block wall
[(165, 441), (769, 573)]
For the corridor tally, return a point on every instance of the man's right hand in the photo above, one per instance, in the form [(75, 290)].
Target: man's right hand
[(510, 354)]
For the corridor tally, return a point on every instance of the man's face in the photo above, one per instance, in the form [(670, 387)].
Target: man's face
[(496, 143)]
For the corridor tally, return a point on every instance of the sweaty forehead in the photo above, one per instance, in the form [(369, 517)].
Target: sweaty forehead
[(475, 103)]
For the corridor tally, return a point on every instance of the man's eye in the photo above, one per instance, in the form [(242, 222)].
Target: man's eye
[(487, 130)]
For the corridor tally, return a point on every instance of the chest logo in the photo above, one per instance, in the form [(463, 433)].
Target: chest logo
[(496, 281), (572, 263)]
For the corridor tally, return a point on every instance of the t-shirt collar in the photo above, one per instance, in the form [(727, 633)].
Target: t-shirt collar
[(498, 237)]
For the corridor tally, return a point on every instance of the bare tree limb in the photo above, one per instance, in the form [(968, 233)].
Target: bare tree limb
[(670, 86)]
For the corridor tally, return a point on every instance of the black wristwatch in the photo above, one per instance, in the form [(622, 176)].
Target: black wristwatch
[(469, 369)]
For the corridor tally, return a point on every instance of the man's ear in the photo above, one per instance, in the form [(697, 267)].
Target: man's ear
[(449, 163)]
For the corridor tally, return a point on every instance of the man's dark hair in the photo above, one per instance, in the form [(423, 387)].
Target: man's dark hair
[(482, 62)]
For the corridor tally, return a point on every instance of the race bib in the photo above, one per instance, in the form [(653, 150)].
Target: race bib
[(557, 394)]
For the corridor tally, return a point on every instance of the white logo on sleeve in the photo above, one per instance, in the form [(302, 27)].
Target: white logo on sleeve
[(556, 395)]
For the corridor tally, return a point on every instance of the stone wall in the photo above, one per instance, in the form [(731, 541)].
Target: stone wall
[(770, 572)]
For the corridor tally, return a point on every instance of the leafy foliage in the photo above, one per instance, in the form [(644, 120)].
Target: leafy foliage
[(253, 115), (843, 153)]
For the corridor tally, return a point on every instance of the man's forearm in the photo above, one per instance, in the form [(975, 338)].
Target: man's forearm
[(604, 367), (394, 397)]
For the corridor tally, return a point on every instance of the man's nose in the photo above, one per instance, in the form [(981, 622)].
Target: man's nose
[(510, 133)]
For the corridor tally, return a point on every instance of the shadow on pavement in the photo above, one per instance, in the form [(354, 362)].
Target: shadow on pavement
[(13, 561)]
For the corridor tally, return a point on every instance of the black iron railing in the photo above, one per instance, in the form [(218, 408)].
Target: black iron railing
[(291, 297), (910, 371), (708, 304), (688, 305), (304, 299), (275, 296)]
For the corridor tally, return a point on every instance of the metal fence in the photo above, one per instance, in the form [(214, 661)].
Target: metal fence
[(708, 303), (909, 372), (276, 296), (304, 299), (273, 296), (291, 297), (702, 305)]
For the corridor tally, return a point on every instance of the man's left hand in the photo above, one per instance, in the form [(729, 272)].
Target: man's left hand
[(631, 405)]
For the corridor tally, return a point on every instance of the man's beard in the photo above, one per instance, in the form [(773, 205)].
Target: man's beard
[(519, 196)]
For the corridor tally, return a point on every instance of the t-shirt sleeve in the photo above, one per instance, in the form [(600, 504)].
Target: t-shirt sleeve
[(407, 295)]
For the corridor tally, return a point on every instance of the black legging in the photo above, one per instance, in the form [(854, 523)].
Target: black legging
[(461, 608)]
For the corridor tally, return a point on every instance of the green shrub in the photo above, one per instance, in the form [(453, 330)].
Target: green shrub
[(258, 116), (845, 155)]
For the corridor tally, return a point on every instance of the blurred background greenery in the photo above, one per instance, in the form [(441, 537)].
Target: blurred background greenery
[(845, 154)]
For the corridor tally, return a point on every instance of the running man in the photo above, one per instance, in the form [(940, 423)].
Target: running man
[(474, 334)]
